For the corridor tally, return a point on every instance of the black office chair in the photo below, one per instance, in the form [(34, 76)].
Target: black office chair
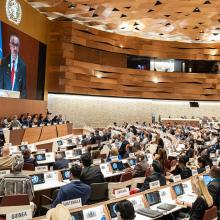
[(99, 192), (45, 207)]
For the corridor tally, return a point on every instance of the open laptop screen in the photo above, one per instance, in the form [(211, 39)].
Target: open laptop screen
[(153, 198), (178, 189), (65, 174), (40, 157), (38, 179)]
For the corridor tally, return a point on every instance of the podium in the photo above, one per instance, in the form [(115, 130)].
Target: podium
[(9, 94)]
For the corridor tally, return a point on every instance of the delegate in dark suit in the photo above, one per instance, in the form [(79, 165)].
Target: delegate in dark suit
[(20, 76), (74, 190)]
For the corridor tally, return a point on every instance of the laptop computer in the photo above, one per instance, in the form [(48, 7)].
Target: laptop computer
[(65, 174), (37, 179), (60, 142), (132, 162), (23, 147), (149, 213), (178, 189), (77, 215), (117, 166), (112, 211), (40, 157), (153, 198)]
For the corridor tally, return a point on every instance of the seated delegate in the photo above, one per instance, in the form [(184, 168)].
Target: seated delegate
[(73, 190)]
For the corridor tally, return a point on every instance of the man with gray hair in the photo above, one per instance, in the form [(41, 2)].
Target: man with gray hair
[(13, 69)]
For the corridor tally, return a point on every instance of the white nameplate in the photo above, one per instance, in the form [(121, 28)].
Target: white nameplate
[(96, 161), (21, 215), (207, 168), (121, 192), (69, 154), (94, 213), (51, 176), (137, 202), (114, 158), (74, 203), (176, 178), (49, 156), (215, 163), (131, 155), (4, 172), (212, 155), (194, 172), (41, 168), (154, 184)]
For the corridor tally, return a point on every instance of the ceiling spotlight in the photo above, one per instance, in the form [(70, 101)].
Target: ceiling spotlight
[(215, 34), (135, 23), (157, 3), (123, 16), (150, 10), (207, 2), (196, 9), (115, 9), (137, 29), (168, 24), (91, 9), (71, 5)]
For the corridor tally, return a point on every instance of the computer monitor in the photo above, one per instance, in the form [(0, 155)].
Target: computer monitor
[(120, 165), (40, 157), (38, 179), (65, 174), (77, 215), (207, 179), (60, 142), (153, 198), (77, 152), (178, 189), (117, 166), (23, 147), (132, 162), (112, 211), (69, 141)]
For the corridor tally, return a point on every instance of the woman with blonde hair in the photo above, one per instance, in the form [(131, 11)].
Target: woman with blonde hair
[(203, 202)]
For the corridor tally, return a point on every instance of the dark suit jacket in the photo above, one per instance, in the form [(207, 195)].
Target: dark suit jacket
[(73, 190), (60, 164), (153, 177), (214, 190), (91, 175), (20, 80)]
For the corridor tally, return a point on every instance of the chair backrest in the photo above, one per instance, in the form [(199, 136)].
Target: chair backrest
[(210, 214), (15, 200), (29, 166), (99, 192), (126, 176)]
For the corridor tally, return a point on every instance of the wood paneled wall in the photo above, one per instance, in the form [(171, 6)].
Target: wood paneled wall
[(10, 107), (70, 33), (66, 74)]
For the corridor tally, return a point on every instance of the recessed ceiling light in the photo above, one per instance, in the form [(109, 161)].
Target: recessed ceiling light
[(71, 5), (196, 9), (155, 80), (150, 10), (115, 9), (207, 2), (123, 16), (157, 3)]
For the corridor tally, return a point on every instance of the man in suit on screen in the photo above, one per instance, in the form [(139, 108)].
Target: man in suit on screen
[(13, 69)]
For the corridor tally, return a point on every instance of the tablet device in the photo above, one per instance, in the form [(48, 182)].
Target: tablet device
[(38, 179), (153, 198), (65, 174), (40, 157), (178, 189)]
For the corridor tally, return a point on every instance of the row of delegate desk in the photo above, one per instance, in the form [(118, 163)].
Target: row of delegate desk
[(152, 198), (37, 134)]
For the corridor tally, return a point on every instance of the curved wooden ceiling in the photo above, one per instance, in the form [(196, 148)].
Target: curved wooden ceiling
[(173, 20)]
